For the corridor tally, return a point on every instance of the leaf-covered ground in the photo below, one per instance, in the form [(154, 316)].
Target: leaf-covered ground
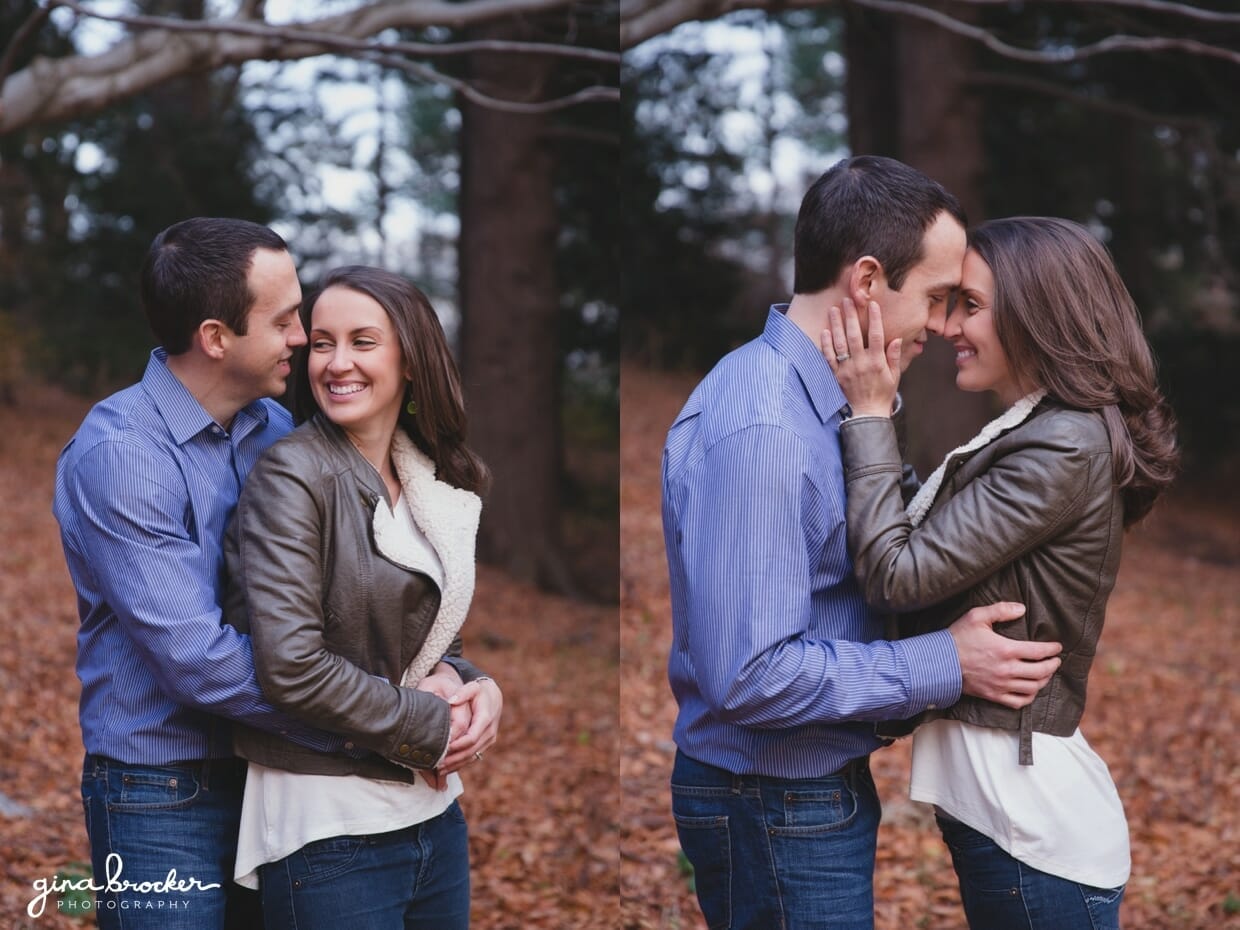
[(542, 807), (1163, 708)]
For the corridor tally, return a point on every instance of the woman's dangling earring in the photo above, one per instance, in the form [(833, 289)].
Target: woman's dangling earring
[(411, 407)]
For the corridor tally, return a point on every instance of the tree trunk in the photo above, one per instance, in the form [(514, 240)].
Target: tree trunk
[(920, 72), (872, 87), (509, 307)]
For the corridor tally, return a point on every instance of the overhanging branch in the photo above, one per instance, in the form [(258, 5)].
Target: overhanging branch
[(472, 94), (327, 40), (50, 90), (1151, 6), (1118, 43), (643, 19)]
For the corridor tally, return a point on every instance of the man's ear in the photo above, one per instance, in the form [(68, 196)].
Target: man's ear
[(865, 275), (862, 277), (213, 336)]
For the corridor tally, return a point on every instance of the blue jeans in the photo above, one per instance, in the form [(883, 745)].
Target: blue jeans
[(778, 853), (411, 879), (145, 821), (1002, 893)]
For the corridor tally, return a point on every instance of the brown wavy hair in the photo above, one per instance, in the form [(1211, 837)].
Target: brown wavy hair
[(438, 428), (1067, 323)]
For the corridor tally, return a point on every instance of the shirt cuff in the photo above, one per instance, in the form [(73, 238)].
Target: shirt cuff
[(865, 416), (933, 671), (464, 668)]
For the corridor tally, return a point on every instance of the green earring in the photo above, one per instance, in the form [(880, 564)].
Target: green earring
[(411, 408)]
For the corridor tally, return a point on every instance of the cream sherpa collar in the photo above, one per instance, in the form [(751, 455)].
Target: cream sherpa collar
[(448, 517), (1016, 414)]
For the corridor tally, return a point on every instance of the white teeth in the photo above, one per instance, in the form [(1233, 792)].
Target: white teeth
[(345, 388), (965, 353)]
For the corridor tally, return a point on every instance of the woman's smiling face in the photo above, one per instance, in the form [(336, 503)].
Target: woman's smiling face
[(981, 363), (355, 364)]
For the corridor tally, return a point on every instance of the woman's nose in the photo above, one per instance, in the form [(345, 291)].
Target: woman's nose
[(951, 326), (340, 360)]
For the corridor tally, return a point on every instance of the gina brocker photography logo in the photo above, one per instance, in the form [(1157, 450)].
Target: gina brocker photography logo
[(146, 895)]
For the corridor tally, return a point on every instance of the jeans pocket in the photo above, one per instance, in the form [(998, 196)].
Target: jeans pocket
[(1103, 906), (808, 811), (984, 870), (324, 859), (137, 790), (707, 843)]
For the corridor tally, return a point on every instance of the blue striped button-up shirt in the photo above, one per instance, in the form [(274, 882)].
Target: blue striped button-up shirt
[(777, 665), (144, 491)]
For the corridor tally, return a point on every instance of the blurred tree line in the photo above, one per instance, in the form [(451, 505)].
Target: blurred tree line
[(1141, 146), (516, 235)]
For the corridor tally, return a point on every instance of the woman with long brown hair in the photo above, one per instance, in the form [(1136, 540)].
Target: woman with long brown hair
[(1031, 510), (351, 564)]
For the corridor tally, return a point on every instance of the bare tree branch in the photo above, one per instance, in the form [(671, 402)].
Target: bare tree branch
[(643, 19), (1153, 6), (1108, 45), (471, 93), (344, 44), (49, 90)]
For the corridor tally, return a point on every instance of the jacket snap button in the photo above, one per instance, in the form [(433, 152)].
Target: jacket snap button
[(172, 782)]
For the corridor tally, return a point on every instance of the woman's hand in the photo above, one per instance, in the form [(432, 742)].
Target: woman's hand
[(485, 703), (445, 682), (868, 374)]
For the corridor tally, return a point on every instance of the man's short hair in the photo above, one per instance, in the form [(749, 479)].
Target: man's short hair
[(866, 205), (198, 270)]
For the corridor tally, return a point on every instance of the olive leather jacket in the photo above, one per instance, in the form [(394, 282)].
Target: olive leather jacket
[(337, 617), (1034, 516)]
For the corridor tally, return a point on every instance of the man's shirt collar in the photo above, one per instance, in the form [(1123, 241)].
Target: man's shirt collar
[(181, 411), (786, 338)]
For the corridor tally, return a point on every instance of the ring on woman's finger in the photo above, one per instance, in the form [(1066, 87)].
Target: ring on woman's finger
[(843, 357), (477, 757)]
